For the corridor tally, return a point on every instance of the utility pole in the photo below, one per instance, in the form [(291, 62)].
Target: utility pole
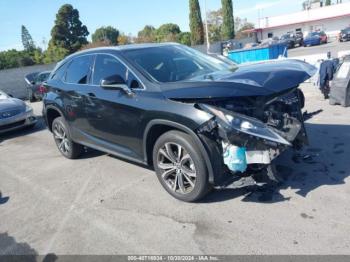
[(206, 27)]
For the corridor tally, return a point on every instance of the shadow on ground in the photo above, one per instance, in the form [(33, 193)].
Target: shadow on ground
[(3, 200), (12, 251), (323, 163)]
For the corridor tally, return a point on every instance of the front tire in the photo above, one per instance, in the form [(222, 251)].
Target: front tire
[(63, 140), (180, 166)]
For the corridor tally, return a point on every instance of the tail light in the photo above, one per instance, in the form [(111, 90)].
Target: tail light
[(42, 89)]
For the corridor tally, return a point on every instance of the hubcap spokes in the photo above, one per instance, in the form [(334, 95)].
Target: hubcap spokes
[(61, 138), (177, 167)]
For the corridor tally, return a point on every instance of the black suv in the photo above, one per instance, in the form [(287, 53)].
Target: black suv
[(289, 40), (344, 35), (199, 121)]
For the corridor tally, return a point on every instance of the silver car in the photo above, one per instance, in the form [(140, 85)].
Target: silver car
[(14, 114)]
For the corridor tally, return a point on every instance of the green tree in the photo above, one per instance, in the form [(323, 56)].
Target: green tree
[(240, 26), (27, 39), (196, 23), (214, 20), (328, 2), (184, 38), (228, 25), (106, 33), (124, 39), (55, 54), (38, 56), (167, 32), (146, 35), (68, 32)]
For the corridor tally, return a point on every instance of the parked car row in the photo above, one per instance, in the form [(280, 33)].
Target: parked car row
[(292, 40), (35, 86)]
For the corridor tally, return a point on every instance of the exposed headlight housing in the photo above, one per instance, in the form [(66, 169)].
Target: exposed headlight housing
[(28, 108), (245, 124)]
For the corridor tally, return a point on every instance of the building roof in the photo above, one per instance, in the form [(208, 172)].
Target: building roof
[(322, 13)]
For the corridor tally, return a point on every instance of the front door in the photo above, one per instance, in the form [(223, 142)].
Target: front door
[(114, 116)]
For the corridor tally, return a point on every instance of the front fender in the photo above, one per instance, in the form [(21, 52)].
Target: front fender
[(187, 130)]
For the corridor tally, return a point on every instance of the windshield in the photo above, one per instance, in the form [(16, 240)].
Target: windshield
[(173, 63)]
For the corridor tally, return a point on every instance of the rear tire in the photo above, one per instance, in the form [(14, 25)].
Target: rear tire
[(180, 166), (64, 142)]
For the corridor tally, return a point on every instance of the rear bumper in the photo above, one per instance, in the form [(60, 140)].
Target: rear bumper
[(17, 122)]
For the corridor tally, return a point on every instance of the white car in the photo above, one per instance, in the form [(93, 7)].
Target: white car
[(14, 114)]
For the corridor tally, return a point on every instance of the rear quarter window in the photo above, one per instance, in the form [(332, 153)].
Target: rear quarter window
[(79, 69)]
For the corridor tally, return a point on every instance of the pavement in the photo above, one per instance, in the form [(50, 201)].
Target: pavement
[(333, 46), (100, 204)]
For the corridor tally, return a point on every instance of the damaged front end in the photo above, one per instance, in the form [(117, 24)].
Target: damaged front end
[(250, 132)]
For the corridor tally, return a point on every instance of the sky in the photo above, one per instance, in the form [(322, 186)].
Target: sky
[(128, 16)]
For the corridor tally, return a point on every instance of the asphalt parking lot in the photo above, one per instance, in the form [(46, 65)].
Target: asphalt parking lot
[(100, 204), (334, 46)]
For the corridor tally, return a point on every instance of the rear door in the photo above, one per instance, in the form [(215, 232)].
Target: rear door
[(75, 92)]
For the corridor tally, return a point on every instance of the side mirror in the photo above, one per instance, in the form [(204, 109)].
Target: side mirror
[(116, 82)]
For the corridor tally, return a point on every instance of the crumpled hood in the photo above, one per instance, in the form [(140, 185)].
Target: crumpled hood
[(11, 103), (258, 79)]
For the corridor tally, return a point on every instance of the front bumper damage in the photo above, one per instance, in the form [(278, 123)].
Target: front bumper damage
[(251, 147)]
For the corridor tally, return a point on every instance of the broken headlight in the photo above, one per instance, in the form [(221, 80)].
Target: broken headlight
[(244, 124)]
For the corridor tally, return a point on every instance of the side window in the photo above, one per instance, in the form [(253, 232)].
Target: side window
[(105, 66), (59, 73), (78, 70)]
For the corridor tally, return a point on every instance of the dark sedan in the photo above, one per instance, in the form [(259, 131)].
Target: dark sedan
[(35, 82), (14, 114), (199, 121), (344, 35)]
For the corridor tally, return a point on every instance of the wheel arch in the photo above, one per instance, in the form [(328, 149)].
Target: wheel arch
[(156, 128), (51, 113)]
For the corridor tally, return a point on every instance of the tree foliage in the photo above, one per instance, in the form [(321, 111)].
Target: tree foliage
[(96, 44), (27, 40), (228, 25), (123, 39), (55, 54), (13, 58), (167, 32), (68, 32), (184, 38), (106, 33), (214, 20), (146, 35), (240, 26), (328, 2), (196, 23)]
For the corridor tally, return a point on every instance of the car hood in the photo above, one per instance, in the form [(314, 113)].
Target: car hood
[(11, 103), (258, 79)]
